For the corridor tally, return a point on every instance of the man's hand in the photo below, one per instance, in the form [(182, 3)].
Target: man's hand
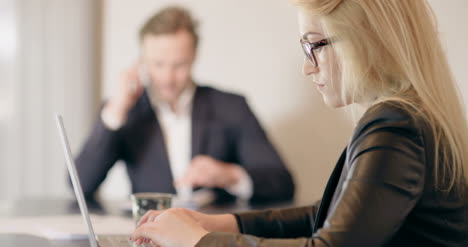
[(129, 90), (205, 171)]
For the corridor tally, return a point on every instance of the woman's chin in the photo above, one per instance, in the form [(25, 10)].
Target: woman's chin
[(333, 102)]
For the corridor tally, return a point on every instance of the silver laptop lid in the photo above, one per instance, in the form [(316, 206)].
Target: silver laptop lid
[(75, 181)]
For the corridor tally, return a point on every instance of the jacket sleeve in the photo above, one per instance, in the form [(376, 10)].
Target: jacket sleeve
[(98, 155), (270, 177), (279, 223), (381, 183)]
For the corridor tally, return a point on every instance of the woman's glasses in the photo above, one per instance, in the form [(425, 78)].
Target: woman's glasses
[(310, 47)]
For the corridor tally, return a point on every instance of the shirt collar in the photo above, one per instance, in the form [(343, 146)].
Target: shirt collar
[(183, 105)]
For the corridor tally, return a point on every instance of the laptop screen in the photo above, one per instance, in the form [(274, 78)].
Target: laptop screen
[(75, 181)]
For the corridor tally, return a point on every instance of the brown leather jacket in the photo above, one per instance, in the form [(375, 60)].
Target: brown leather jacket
[(381, 193)]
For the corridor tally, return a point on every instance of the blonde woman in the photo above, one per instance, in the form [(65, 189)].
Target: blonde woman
[(402, 180)]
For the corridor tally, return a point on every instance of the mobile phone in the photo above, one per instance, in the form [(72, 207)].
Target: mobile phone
[(145, 80), (144, 76)]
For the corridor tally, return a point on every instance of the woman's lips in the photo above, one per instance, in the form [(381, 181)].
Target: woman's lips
[(320, 86)]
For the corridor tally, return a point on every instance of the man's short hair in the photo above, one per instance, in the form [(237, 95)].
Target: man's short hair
[(169, 21)]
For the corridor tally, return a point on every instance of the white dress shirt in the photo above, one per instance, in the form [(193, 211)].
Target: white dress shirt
[(176, 126)]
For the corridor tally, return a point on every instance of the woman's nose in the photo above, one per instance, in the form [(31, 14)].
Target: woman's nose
[(308, 68)]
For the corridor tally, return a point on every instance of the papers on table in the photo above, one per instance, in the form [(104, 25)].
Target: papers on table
[(67, 226)]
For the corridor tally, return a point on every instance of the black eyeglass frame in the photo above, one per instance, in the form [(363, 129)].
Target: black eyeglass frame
[(309, 47)]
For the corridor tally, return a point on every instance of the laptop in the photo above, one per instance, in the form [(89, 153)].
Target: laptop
[(101, 241)]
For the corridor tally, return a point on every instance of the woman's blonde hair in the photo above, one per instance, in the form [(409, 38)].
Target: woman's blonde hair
[(389, 50)]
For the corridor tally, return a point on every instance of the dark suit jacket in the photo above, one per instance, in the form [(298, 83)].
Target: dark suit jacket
[(223, 126), (381, 193)]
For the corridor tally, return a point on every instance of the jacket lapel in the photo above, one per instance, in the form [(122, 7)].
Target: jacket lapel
[(200, 120), (329, 191), (158, 144)]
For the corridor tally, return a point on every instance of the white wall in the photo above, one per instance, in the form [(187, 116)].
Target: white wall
[(48, 54), (251, 47), (452, 20), (8, 48)]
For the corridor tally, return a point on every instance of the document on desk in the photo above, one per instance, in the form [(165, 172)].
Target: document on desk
[(66, 226)]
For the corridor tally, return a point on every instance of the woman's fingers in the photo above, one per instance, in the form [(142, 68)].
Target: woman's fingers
[(149, 217), (140, 234), (175, 226), (144, 218)]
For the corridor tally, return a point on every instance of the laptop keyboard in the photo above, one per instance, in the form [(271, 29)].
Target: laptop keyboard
[(116, 241)]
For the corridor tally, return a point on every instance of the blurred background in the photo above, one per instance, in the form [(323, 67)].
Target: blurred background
[(64, 56)]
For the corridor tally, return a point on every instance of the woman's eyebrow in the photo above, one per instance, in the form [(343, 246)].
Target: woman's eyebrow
[(305, 35)]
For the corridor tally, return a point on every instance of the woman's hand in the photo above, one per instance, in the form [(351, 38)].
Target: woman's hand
[(169, 228), (212, 223)]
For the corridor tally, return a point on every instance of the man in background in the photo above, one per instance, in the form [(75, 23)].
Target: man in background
[(173, 134)]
